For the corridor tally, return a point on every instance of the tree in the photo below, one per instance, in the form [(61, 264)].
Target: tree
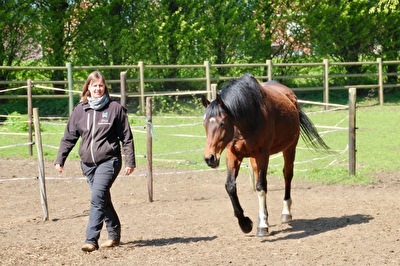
[(222, 32), (109, 34), (340, 30), (18, 35), (387, 44), (56, 24)]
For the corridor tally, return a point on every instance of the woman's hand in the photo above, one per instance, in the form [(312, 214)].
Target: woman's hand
[(59, 168), (129, 170)]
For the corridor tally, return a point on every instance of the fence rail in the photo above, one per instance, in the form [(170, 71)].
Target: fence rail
[(320, 70)]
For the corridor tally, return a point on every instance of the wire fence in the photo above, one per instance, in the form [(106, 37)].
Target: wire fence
[(179, 142)]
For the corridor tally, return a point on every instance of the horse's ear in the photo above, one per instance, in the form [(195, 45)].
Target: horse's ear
[(204, 101), (220, 102), (222, 105)]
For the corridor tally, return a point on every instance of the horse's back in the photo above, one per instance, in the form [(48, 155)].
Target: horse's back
[(283, 109), (280, 94)]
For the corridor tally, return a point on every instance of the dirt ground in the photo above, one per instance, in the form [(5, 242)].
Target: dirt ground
[(191, 220)]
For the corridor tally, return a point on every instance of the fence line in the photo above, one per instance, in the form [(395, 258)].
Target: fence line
[(143, 127), (17, 145), (30, 96), (336, 158), (207, 78), (13, 89), (351, 146)]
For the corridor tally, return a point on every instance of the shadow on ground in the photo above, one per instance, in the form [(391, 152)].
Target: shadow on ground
[(168, 241), (305, 227)]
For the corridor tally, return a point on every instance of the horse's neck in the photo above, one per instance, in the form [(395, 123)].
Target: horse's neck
[(243, 133), (250, 128)]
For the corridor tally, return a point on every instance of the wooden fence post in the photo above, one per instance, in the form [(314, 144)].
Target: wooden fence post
[(70, 87), (326, 82), (208, 80), (380, 80), (43, 197), (29, 96), (213, 92), (141, 86), (269, 70), (149, 127), (352, 131), (123, 88)]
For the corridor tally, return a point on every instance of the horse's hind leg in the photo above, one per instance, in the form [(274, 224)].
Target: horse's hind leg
[(289, 156)]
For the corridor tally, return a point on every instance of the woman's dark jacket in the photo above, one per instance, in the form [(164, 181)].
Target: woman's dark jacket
[(101, 132)]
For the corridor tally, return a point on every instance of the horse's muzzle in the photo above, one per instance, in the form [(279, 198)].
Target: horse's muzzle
[(212, 161)]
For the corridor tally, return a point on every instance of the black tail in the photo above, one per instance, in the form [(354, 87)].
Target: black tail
[(310, 134)]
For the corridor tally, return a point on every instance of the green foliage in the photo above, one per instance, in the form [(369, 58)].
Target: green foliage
[(181, 32), (19, 123), (18, 32), (47, 107), (53, 107), (183, 105), (14, 105), (16, 122), (386, 6)]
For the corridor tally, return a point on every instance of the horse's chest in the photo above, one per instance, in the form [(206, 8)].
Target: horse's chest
[(246, 147)]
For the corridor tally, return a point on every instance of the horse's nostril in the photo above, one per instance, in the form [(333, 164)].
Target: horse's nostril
[(211, 160)]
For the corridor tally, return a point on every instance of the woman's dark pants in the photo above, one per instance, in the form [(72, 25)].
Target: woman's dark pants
[(100, 179)]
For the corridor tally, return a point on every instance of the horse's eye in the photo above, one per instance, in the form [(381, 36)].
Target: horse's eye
[(222, 124)]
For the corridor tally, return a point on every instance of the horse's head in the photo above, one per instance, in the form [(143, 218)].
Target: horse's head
[(219, 130)]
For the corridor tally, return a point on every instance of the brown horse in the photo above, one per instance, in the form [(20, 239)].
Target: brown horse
[(256, 120)]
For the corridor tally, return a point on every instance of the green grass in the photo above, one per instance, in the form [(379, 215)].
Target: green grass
[(179, 141), (377, 145)]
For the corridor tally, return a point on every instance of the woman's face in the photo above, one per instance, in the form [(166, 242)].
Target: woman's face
[(96, 88)]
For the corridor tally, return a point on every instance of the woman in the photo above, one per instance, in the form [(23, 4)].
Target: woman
[(102, 124)]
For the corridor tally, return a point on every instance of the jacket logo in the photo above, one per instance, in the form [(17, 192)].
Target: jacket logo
[(104, 117)]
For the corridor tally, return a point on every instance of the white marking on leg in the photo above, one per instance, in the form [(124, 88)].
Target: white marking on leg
[(286, 206), (262, 210)]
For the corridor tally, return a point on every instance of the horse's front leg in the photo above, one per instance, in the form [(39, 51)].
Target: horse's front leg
[(233, 166), (260, 170)]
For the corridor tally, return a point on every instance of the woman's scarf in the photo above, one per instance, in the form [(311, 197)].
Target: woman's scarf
[(98, 103)]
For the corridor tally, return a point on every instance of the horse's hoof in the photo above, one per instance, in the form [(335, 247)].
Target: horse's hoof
[(262, 231), (286, 218), (246, 225)]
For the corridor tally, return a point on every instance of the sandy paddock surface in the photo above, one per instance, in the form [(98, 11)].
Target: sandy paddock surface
[(191, 221)]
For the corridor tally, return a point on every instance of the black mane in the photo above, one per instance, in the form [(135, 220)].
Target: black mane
[(243, 100)]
